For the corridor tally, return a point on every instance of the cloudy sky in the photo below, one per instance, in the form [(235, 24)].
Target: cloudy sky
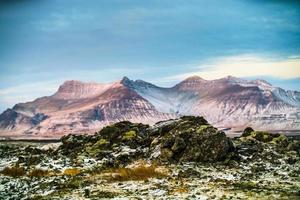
[(43, 43)]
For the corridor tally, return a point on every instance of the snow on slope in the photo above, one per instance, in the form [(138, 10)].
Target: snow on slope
[(290, 97), (79, 107), (167, 100), (229, 101)]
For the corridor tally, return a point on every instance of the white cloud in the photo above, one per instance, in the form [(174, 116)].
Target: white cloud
[(27, 92), (247, 66)]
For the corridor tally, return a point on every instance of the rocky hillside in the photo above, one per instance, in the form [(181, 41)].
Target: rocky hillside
[(186, 158), (79, 107)]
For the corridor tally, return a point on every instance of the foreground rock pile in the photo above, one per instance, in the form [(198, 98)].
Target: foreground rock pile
[(186, 158), (188, 139)]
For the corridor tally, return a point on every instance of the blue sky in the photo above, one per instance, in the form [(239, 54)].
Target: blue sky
[(43, 43)]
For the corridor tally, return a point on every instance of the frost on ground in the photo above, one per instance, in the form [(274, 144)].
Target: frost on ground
[(183, 159)]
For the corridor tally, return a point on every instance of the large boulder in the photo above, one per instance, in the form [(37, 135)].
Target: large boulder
[(120, 143), (126, 133), (247, 132), (189, 139)]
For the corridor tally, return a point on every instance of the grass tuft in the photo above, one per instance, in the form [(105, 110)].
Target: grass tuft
[(38, 173), (14, 171), (71, 172), (142, 172)]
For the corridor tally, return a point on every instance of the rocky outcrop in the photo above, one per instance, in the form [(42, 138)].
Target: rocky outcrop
[(187, 139), (190, 139), (261, 146), (115, 145), (265, 137)]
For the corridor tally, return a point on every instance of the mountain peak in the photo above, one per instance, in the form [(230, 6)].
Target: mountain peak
[(232, 79), (126, 81), (194, 78), (135, 83), (69, 85), (73, 89), (125, 78), (190, 83), (71, 82)]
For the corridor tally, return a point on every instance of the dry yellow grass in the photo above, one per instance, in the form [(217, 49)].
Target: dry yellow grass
[(142, 172), (38, 173), (181, 190), (14, 171), (71, 172)]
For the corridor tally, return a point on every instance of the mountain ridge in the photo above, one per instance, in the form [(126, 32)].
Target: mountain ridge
[(79, 107)]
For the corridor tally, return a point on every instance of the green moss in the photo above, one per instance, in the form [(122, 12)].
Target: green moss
[(97, 149), (281, 139), (73, 183), (203, 128), (245, 185), (129, 135), (265, 137), (101, 142), (190, 130), (103, 194), (261, 136)]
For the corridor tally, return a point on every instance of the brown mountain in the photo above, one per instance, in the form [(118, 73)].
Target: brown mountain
[(79, 107)]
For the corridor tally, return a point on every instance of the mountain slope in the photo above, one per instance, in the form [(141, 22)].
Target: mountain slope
[(73, 108), (79, 107), (227, 102)]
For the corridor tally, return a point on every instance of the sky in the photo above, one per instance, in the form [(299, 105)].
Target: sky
[(44, 43)]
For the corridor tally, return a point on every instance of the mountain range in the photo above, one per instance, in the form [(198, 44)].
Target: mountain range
[(79, 107)]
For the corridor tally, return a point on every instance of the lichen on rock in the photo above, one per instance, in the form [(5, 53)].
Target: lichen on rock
[(129, 135), (191, 139)]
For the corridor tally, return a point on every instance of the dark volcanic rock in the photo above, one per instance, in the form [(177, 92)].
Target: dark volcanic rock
[(247, 131), (188, 139), (117, 144), (191, 139), (266, 137), (126, 133)]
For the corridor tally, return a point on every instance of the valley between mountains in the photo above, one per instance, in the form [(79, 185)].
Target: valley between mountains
[(79, 107)]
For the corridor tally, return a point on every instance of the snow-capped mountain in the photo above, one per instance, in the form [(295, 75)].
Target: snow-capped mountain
[(227, 102), (79, 107)]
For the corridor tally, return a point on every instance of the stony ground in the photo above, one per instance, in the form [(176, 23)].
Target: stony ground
[(162, 165)]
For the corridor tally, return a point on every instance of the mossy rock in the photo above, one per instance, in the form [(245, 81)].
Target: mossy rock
[(101, 143), (294, 146), (247, 132), (191, 139), (74, 144), (261, 136), (266, 137), (126, 132), (204, 128), (281, 140)]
